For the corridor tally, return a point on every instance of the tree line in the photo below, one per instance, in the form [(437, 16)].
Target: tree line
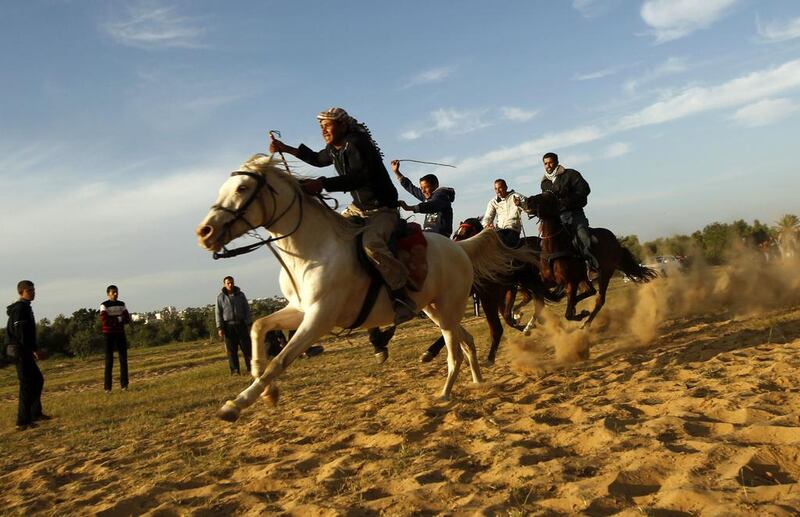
[(716, 242), (81, 333)]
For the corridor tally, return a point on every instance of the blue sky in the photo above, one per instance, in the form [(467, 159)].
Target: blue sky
[(119, 120)]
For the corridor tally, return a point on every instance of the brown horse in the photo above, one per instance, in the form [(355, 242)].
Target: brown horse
[(560, 262), (493, 295)]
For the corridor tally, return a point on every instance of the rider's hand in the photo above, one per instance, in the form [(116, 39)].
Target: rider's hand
[(312, 187), (275, 145), (396, 167), (405, 206), (517, 201)]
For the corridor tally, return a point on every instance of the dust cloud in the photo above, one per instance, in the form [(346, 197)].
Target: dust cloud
[(634, 314)]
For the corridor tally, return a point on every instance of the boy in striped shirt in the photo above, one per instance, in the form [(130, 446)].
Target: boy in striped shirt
[(114, 316)]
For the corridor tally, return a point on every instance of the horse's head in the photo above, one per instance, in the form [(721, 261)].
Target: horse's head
[(239, 207), (543, 206), (468, 228)]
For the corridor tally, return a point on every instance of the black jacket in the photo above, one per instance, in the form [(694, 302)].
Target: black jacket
[(570, 188), (361, 171), (438, 209), (21, 328)]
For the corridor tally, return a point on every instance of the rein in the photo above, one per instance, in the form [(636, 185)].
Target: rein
[(238, 214)]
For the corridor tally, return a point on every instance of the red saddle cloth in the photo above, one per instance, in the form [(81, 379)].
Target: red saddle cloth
[(412, 251)]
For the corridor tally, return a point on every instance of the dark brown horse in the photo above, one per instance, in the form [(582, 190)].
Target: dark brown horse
[(561, 264), (493, 295)]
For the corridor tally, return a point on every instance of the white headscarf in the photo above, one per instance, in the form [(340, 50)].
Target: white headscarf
[(558, 171)]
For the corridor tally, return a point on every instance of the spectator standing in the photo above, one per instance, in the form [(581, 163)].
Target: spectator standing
[(233, 317), (21, 339), (114, 316)]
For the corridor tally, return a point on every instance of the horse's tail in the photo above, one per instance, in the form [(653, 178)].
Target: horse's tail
[(633, 270), (493, 261)]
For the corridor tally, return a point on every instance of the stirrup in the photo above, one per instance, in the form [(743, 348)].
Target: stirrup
[(403, 311)]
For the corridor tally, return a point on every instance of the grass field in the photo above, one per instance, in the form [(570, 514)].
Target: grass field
[(704, 416)]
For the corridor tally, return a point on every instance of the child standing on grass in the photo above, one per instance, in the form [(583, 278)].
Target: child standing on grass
[(21, 337), (114, 316)]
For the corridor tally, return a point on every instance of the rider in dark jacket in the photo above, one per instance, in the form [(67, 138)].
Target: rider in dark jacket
[(436, 202), (572, 191), (358, 161)]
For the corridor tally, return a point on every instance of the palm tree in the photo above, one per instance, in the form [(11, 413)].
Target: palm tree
[(788, 228)]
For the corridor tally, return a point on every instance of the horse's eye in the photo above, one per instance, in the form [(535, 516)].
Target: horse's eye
[(241, 188)]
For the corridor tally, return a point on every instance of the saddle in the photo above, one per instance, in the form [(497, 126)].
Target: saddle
[(408, 244)]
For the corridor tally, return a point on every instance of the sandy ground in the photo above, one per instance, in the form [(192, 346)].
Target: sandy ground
[(702, 419)]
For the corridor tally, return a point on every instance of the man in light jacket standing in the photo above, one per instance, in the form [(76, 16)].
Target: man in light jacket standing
[(233, 323), (504, 207)]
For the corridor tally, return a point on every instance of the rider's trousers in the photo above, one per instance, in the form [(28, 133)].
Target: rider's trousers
[(380, 223)]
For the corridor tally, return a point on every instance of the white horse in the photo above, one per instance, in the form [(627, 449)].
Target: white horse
[(323, 280)]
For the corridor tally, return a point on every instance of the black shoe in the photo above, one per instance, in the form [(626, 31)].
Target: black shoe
[(43, 417), (381, 354), (314, 350), (24, 427)]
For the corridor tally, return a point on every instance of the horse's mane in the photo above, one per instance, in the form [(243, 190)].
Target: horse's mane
[(264, 164)]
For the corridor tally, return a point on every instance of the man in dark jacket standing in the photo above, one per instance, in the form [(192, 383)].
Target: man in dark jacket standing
[(21, 339), (572, 192), (232, 313), (436, 202), (358, 162), (114, 316)]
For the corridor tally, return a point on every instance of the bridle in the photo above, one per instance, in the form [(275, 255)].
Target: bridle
[(463, 226), (239, 215), (537, 214)]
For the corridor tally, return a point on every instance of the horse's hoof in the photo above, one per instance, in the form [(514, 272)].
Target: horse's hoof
[(490, 361), (272, 394), (229, 412), (444, 397)]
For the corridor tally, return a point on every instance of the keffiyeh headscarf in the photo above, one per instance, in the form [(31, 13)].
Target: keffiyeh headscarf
[(352, 124)]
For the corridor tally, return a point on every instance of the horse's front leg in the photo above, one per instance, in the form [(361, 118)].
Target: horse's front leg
[(506, 305), (288, 318), (489, 300), (317, 322), (600, 300), (572, 301)]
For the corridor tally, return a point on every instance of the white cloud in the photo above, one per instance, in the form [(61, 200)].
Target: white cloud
[(673, 19), (528, 153), (598, 74), (449, 121), (672, 66), (616, 150), (765, 112), (518, 114), (434, 75), (748, 88), (779, 31), (594, 8), (151, 26)]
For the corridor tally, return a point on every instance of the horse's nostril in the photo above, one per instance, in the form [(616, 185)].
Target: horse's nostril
[(204, 231)]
